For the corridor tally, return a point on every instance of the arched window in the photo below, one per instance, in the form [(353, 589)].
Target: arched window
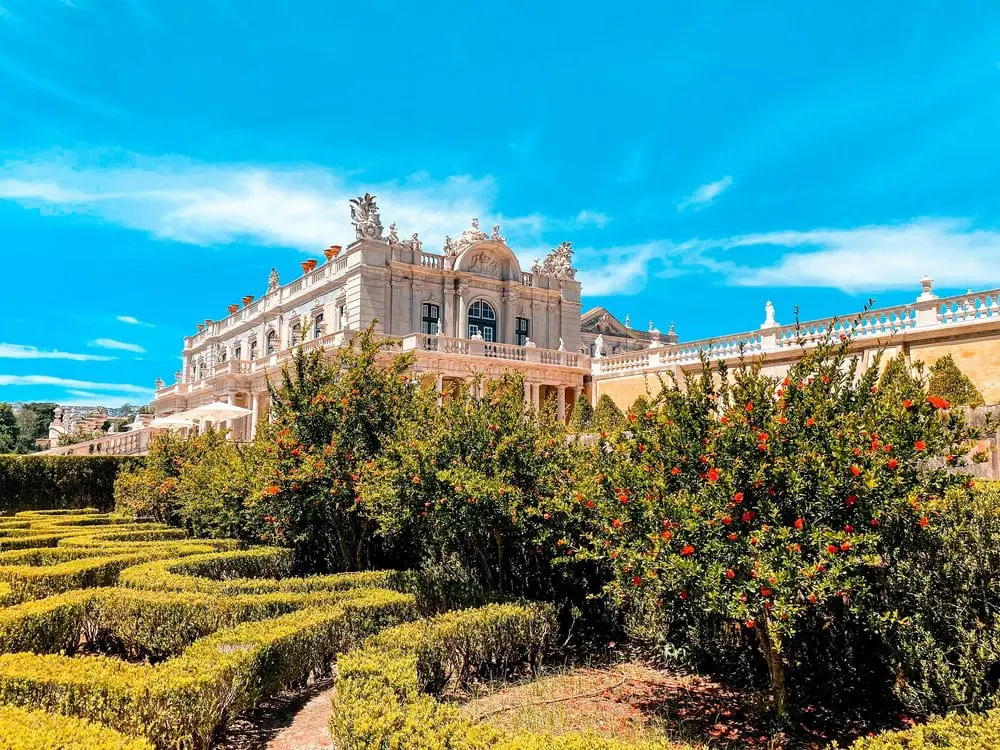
[(253, 349), (295, 337), (482, 320), (270, 341), (317, 325)]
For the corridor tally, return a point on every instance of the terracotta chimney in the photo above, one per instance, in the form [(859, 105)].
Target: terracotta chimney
[(247, 300)]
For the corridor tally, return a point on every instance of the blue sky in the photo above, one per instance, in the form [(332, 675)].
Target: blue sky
[(156, 159)]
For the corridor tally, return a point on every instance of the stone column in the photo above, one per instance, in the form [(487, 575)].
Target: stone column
[(561, 403), (527, 393), (536, 393), (255, 416)]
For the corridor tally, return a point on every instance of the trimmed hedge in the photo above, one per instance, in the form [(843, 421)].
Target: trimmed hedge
[(37, 730), (380, 700), (959, 731), (59, 482), (184, 700)]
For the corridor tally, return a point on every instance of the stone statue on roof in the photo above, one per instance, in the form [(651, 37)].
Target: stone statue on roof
[(273, 282), (559, 262), (365, 217)]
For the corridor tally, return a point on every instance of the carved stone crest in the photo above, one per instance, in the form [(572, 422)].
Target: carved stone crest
[(559, 263), (365, 217), (484, 264)]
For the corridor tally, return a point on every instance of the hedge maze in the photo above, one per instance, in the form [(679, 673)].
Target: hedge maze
[(115, 635)]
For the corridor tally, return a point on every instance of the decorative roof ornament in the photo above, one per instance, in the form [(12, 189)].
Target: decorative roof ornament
[(450, 248), (497, 237), (365, 217), (393, 234), (273, 282), (415, 244), (466, 239), (536, 266), (628, 320), (769, 321), (559, 263)]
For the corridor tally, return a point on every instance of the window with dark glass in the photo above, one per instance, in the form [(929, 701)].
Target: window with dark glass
[(430, 316), (318, 325), (482, 320), (296, 336), (238, 352), (253, 350), (522, 331), (269, 343)]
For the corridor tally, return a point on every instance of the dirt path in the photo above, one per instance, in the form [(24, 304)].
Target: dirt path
[(291, 721)]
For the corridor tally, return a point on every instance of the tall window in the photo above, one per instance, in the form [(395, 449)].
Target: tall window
[(522, 331), (318, 325), (269, 343), (296, 336), (430, 317), (253, 349), (341, 317), (482, 320), (237, 352)]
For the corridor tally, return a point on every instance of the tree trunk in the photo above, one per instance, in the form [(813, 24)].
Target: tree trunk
[(771, 647)]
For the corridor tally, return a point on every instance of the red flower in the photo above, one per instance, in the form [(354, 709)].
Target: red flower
[(749, 406), (832, 549), (713, 475), (799, 523), (908, 404), (855, 470), (749, 516), (874, 523), (687, 550), (272, 490), (666, 535), (732, 536), (811, 598), (589, 503), (750, 623), (851, 499), (845, 546), (636, 581), (919, 445), (726, 520), (810, 422), (848, 528), (730, 573), (938, 403), (765, 592), (617, 523), (684, 595), (892, 464), (675, 471), (738, 497), (923, 521)]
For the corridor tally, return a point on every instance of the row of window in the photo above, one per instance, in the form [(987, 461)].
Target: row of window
[(482, 320)]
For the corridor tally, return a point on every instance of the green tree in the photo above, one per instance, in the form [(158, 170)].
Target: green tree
[(789, 510), (583, 414), (947, 381), (8, 429), (33, 423), (607, 416), (330, 418)]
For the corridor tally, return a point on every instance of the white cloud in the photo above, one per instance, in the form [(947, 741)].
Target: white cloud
[(6, 380), (873, 257), (22, 351), (300, 207), (619, 270), (591, 218), (132, 321), (120, 345), (704, 195), (110, 400)]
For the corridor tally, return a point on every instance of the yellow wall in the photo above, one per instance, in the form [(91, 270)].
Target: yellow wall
[(977, 358), (624, 391)]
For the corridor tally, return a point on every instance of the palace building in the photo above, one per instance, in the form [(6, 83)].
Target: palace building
[(471, 313)]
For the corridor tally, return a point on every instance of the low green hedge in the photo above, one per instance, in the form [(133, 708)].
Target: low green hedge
[(59, 482), (380, 699), (184, 700), (958, 731), (37, 730), (255, 571)]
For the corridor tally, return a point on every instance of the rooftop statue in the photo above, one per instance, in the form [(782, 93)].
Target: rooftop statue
[(393, 234), (559, 263), (272, 281), (497, 237), (364, 216), (467, 238)]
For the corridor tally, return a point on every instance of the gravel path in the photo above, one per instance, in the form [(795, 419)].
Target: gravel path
[(295, 720)]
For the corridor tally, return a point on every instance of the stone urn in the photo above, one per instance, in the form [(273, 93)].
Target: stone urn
[(247, 300), (308, 265), (233, 308), (201, 327), (331, 252)]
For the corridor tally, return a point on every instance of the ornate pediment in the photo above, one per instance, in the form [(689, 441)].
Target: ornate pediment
[(483, 263), (558, 263), (601, 321), (466, 239)]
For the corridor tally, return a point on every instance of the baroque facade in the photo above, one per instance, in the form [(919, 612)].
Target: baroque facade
[(467, 311)]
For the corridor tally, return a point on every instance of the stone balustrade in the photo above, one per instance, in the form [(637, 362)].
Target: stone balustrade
[(418, 342), (134, 442)]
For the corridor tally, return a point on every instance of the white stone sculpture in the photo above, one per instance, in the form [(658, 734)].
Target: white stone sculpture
[(365, 217), (273, 282), (599, 346), (497, 236), (393, 234), (769, 321), (559, 263)]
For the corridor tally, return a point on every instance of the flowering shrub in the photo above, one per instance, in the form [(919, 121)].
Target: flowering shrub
[(330, 418), (781, 511)]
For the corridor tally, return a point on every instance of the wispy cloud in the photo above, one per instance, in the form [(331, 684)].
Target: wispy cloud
[(704, 195), (304, 208), (23, 351), (56, 90), (591, 218), (870, 258), (120, 345), (87, 398), (132, 321), (619, 270), (11, 380)]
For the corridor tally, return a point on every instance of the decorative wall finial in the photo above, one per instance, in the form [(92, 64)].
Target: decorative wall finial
[(926, 288), (365, 217)]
